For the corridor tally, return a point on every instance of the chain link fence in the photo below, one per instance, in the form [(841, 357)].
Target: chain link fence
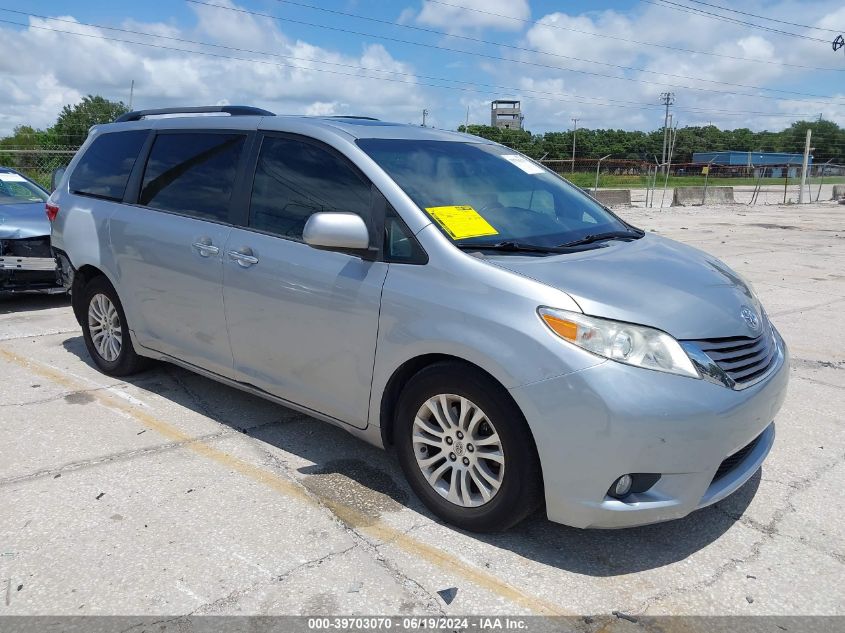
[(752, 184), (37, 164)]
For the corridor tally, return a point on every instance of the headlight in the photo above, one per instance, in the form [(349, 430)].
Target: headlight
[(632, 344)]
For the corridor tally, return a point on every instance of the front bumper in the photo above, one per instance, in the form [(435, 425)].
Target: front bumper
[(27, 265), (592, 426)]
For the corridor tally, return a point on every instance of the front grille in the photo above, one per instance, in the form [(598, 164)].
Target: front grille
[(741, 357), (732, 461)]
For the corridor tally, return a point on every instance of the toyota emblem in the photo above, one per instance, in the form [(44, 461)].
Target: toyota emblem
[(750, 317)]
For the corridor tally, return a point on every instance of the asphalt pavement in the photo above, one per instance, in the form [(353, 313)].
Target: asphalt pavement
[(168, 494)]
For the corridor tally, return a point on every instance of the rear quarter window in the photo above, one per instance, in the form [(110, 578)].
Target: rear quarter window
[(104, 169)]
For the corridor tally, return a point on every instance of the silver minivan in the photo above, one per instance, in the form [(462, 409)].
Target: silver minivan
[(512, 340)]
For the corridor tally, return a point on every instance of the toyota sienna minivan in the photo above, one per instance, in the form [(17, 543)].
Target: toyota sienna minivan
[(512, 340)]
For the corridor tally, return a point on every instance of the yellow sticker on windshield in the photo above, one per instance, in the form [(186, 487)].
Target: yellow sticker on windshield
[(461, 222)]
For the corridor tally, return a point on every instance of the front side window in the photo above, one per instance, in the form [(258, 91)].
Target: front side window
[(479, 193), (192, 173), (104, 169), (295, 179), (399, 243)]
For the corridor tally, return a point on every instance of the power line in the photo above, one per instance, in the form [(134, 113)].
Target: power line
[(763, 17), (521, 48), (524, 62), (546, 25), (290, 57), (668, 4), (549, 96), (586, 100)]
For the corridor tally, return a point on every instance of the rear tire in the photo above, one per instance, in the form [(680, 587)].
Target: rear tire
[(105, 331), (466, 448)]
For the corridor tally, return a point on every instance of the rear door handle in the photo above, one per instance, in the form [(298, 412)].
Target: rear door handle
[(243, 257), (205, 248)]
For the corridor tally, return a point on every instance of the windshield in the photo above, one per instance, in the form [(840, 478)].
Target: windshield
[(486, 194), (15, 189)]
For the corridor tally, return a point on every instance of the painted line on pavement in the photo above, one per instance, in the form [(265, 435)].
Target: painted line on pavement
[(348, 515)]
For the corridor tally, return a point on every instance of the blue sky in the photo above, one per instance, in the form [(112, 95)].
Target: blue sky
[(605, 63)]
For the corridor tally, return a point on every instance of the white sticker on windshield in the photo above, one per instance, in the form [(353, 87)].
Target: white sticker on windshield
[(523, 163), (5, 177)]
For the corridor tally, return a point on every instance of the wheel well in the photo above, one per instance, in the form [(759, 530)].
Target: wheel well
[(400, 378), (80, 278)]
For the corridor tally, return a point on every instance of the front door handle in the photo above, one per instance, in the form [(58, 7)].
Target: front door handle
[(243, 257), (205, 247)]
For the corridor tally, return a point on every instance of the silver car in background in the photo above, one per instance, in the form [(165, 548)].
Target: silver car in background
[(27, 263), (516, 343)]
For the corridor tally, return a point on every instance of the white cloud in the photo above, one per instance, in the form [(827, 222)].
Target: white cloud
[(692, 77), (41, 70), (460, 15), (57, 68), (323, 108), (563, 34)]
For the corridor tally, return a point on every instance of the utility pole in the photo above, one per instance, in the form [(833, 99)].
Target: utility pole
[(574, 130), (425, 114), (131, 94), (804, 166), (466, 125), (667, 98)]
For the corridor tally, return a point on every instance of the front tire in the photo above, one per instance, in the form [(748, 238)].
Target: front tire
[(105, 332), (466, 449)]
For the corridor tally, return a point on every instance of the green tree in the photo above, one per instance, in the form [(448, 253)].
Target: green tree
[(71, 128), (828, 141), (15, 149)]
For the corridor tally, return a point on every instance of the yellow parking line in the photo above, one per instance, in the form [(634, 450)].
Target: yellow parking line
[(349, 515)]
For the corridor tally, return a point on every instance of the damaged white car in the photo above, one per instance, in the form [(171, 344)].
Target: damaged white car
[(27, 262)]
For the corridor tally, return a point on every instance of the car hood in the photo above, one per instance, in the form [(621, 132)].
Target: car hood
[(23, 220), (651, 281)]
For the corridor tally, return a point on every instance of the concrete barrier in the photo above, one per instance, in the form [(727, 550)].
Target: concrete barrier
[(838, 192), (691, 196), (613, 197)]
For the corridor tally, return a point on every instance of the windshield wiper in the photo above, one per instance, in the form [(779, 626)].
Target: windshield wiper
[(600, 237), (513, 247)]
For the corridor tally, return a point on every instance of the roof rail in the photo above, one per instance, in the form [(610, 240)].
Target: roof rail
[(231, 110), (352, 116)]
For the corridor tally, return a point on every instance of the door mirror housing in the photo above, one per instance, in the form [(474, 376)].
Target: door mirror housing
[(338, 232), (56, 177)]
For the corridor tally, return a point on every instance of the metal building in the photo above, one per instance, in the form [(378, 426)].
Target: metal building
[(506, 114), (773, 164)]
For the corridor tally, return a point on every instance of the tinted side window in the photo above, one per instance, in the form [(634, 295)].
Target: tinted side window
[(104, 169), (294, 179), (192, 173)]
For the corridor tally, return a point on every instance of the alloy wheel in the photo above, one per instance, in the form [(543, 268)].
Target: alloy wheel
[(458, 450), (105, 327)]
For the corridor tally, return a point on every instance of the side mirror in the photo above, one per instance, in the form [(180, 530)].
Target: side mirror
[(56, 177), (337, 231)]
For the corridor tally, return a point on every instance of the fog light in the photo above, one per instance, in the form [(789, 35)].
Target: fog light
[(622, 486)]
